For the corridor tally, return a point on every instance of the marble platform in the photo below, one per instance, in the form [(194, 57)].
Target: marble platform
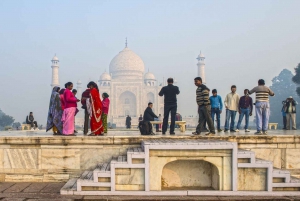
[(37, 156)]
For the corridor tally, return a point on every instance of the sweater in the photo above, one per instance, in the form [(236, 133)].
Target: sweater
[(262, 93), (69, 98), (232, 101), (202, 95), (105, 104)]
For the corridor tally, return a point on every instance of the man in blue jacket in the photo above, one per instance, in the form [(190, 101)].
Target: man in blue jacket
[(216, 107)]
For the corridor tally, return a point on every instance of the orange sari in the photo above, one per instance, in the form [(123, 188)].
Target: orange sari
[(96, 121)]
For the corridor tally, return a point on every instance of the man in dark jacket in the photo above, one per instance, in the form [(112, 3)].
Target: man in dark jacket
[(290, 110), (149, 115), (170, 105), (30, 120)]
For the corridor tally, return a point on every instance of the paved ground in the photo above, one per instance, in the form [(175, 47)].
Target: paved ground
[(50, 191), (135, 132)]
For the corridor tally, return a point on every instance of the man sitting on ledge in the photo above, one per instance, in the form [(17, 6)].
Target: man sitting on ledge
[(30, 120), (149, 116)]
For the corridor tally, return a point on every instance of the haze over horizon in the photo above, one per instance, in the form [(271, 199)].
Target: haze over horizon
[(242, 41)]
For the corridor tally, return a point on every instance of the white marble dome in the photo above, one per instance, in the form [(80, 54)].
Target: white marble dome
[(149, 76), (55, 58), (127, 65), (105, 76)]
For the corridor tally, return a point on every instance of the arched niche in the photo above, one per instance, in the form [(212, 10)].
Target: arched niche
[(190, 175), (127, 104)]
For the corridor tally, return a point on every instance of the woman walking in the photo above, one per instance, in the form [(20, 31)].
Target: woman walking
[(55, 113), (68, 117), (96, 104), (62, 101), (105, 104)]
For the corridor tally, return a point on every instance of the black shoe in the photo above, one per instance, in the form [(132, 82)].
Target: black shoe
[(220, 130), (210, 134), (163, 133), (232, 131), (152, 133), (226, 130), (294, 128), (195, 133), (172, 133), (75, 131)]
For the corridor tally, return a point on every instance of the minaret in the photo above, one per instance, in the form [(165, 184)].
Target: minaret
[(55, 66), (79, 88), (201, 67)]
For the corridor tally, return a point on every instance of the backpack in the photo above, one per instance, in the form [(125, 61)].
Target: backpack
[(145, 127)]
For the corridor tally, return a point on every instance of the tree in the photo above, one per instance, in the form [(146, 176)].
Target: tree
[(296, 78), (16, 125), (5, 120), (283, 86)]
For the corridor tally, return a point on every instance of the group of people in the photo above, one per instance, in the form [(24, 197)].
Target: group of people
[(208, 107), (63, 109)]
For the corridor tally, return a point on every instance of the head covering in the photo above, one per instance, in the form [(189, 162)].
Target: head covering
[(55, 111), (105, 95), (291, 97)]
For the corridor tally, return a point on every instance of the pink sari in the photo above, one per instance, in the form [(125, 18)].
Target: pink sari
[(68, 119)]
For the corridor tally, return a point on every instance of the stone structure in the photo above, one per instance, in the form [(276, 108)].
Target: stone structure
[(55, 67), (201, 67), (130, 88)]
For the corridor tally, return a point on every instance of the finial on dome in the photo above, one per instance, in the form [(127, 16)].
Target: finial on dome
[(126, 42)]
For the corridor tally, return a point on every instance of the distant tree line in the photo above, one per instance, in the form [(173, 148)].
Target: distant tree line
[(6, 120)]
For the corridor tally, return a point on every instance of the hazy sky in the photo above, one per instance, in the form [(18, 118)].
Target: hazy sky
[(242, 41)]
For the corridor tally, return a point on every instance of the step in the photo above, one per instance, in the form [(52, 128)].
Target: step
[(294, 182), (119, 160), (69, 187), (280, 173), (101, 170), (259, 163), (87, 179), (246, 154)]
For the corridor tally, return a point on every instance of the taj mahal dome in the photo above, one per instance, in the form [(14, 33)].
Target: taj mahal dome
[(130, 88)]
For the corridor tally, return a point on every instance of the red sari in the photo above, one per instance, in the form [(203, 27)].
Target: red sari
[(96, 121)]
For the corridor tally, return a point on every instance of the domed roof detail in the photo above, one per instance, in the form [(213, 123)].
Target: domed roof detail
[(105, 76), (149, 76), (127, 63), (55, 58)]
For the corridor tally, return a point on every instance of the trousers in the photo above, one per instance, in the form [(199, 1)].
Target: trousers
[(230, 114), (217, 112), (205, 115), (262, 111), (246, 113), (290, 117), (167, 110), (86, 122)]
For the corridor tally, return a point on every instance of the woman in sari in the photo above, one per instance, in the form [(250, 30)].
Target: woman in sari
[(96, 105), (68, 117), (105, 104), (55, 113)]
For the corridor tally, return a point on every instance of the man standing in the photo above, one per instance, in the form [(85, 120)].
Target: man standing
[(290, 110), (283, 115), (128, 122), (170, 105), (262, 106), (204, 108), (149, 116), (216, 107), (232, 104), (85, 95), (245, 109)]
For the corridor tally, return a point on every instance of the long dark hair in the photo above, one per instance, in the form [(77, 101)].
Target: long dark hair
[(93, 84)]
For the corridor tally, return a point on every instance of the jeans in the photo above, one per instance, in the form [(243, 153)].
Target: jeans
[(167, 110), (205, 115), (289, 117), (217, 112), (262, 111), (246, 113), (284, 122), (230, 114)]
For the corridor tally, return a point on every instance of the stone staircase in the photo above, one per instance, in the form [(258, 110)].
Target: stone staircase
[(101, 181), (276, 178)]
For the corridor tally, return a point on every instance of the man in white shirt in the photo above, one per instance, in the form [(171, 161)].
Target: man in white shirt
[(232, 106)]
